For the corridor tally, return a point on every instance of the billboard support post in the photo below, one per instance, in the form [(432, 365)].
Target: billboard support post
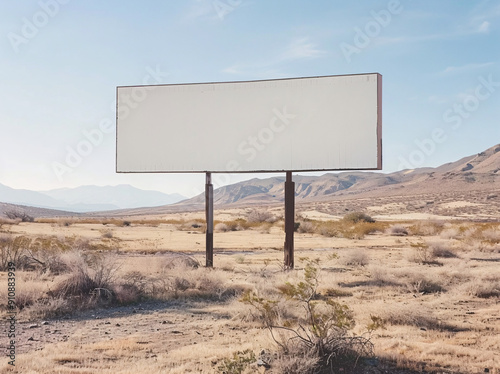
[(209, 215), (289, 220)]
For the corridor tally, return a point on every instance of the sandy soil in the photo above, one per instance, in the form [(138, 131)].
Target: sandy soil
[(181, 336)]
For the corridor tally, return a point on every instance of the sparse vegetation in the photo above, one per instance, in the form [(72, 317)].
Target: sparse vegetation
[(237, 363), (356, 217), (322, 333), (260, 216), (306, 227), (398, 230), (348, 229), (357, 257), (17, 214), (445, 293)]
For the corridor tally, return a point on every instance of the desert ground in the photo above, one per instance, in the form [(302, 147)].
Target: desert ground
[(423, 290)]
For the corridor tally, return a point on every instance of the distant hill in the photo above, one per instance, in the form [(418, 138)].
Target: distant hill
[(88, 198), (478, 175), (123, 196), (477, 172), (34, 212)]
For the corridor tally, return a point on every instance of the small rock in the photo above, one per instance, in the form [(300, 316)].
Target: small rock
[(107, 323), (263, 363), (370, 361), (45, 323), (177, 332), (117, 325), (33, 326)]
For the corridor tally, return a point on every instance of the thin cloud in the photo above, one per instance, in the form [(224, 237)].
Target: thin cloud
[(465, 68), (297, 49), (198, 9), (301, 48), (484, 27)]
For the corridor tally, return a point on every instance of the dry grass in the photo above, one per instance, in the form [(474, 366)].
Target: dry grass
[(357, 257), (349, 230), (442, 310), (408, 316), (306, 227), (260, 216), (397, 230), (426, 228)]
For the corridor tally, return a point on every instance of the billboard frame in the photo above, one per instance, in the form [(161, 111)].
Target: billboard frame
[(277, 170), (289, 184)]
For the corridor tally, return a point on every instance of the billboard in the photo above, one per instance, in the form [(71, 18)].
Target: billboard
[(300, 124)]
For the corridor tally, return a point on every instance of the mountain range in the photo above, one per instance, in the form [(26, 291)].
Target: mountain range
[(478, 174), (88, 198)]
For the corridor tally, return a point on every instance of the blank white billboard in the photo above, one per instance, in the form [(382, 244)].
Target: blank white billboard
[(300, 124)]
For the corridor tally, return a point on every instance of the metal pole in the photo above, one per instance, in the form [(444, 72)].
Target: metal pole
[(289, 220), (209, 215)]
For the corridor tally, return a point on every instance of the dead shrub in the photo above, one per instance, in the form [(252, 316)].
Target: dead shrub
[(397, 230), (348, 229), (107, 234), (296, 361), (418, 317), (194, 225), (356, 217), (91, 280), (421, 254), (485, 288), (260, 216), (15, 249), (439, 250), (179, 260), (363, 228), (221, 227), (45, 308), (126, 293), (329, 229), (8, 221), (306, 227), (427, 228), (418, 283), (357, 257), (491, 235), (137, 285), (25, 298), (79, 283), (379, 276), (16, 214), (450, 233)]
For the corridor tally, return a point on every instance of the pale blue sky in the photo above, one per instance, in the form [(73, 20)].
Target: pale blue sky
[(61, 60)]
